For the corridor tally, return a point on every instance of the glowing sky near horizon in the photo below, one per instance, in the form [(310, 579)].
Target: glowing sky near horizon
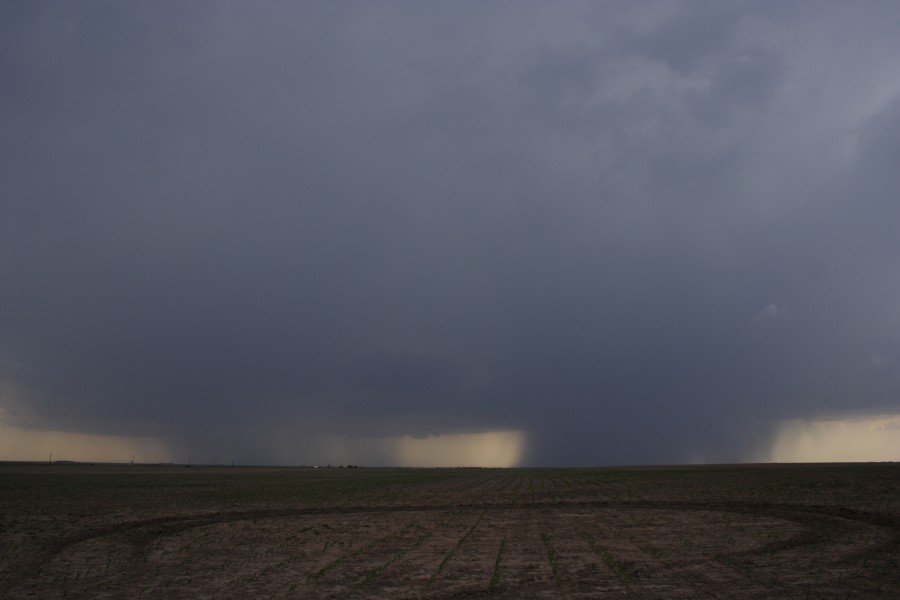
[(854, 439)]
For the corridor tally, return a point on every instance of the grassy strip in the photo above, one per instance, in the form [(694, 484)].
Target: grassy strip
[(622, 570), (453, 550), (377, 571), (495, 577), (553, 557), (312, 577)]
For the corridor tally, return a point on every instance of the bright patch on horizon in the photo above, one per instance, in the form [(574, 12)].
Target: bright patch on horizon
[(490, 449), (35, 445), (487, 449), (854, 439)]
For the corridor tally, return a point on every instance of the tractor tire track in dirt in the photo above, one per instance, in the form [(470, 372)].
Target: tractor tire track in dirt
[(479, 537)]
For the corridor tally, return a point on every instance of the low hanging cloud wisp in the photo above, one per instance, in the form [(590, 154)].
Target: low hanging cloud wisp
[(772, 312)]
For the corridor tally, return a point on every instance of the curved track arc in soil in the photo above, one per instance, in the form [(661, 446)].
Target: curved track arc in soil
[(807, 515)]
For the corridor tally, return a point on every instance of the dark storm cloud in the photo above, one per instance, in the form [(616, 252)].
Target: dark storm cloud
[(637, 232)]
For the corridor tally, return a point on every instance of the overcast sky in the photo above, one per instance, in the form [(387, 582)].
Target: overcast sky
[(633, 231)]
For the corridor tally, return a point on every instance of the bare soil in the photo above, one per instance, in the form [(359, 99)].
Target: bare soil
[(756, 531)]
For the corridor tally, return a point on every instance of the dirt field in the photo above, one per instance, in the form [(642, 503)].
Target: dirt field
[(790, 531)]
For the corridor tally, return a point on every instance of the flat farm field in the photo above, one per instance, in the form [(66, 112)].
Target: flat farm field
[(754, 531)]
